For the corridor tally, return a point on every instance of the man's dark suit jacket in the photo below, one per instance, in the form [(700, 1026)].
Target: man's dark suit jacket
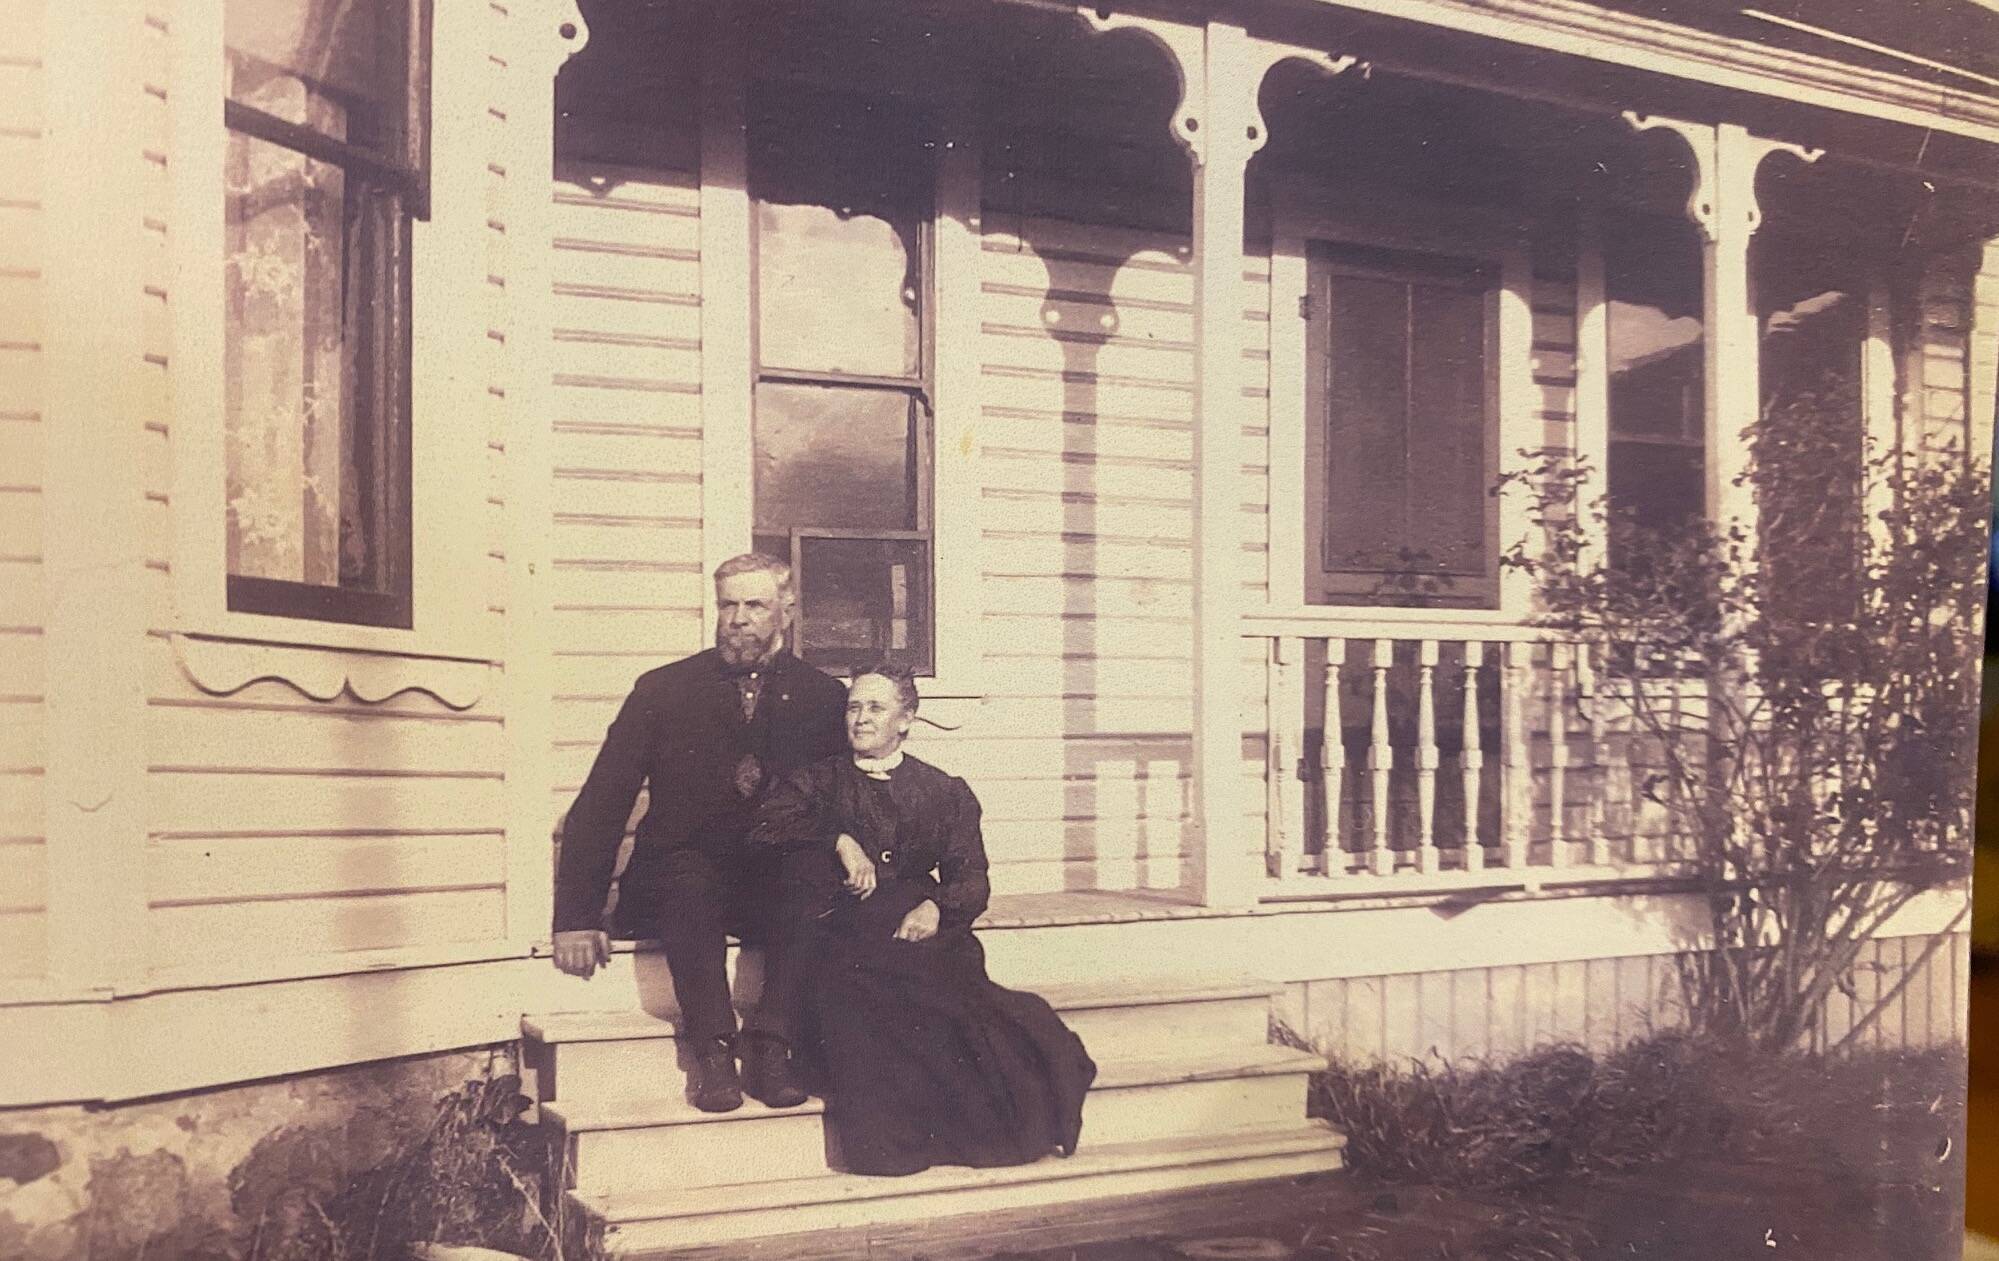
[(681, 734)]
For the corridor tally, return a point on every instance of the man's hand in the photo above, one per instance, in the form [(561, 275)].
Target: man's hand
[(581, 952), (860, 872), (920, 924)]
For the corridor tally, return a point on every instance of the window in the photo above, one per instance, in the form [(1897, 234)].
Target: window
[(1658, 382), (1811, 298), (844, 199), (326, 166), (1403, 444)]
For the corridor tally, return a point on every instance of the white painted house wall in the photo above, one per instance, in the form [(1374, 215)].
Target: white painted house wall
[(346, 838)]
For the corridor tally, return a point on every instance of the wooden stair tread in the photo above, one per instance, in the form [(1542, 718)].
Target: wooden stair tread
[(833, 1187), (1228, 1065), (617, 1026)]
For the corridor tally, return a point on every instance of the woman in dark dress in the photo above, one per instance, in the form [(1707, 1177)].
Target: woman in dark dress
[(922, 1059)]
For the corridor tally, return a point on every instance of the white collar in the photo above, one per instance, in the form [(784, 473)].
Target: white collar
[(878, 767)]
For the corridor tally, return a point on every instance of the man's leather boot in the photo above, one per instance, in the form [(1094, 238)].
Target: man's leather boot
[(768, 1074), (711, 1078)]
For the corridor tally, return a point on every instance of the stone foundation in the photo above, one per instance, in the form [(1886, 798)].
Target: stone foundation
[(233, 1174)]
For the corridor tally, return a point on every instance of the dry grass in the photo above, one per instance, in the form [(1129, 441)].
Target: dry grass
[(477, 1176), (1559, 1112)]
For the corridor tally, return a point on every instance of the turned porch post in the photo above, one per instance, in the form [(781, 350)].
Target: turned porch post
[(1723, 207)]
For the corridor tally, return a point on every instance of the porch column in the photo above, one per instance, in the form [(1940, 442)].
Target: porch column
[(1723, 207), (1222, 69), (1225, 870), (541, 37)]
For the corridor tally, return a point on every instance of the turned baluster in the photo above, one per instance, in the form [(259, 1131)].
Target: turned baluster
[(1471, 764), (1381, 760), (1427, 860)]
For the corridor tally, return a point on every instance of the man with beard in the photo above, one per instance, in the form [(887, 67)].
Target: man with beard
[(704, 735)]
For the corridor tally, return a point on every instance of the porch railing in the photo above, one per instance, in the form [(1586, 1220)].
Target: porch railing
[(1462, 751)]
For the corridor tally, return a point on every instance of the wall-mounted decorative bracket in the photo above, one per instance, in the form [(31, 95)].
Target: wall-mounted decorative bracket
[(562, 33), (1186, 46), (1726, 160), (1267, 56), (1699, 138)]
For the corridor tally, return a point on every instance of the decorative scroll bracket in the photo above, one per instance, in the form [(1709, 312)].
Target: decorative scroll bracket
[(1726, 159), (223, 667), (1699, 138), (1267, 56), (563, 37), (1186, 46)]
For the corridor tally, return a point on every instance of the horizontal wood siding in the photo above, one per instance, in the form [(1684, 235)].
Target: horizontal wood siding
[(284, 827), (1500, 1013), (625, 443), (23, 866), (499, 141), (1081, 752)]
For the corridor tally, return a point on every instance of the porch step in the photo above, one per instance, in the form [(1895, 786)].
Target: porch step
[(628, 1146), (601, 1056), (641, 1224)]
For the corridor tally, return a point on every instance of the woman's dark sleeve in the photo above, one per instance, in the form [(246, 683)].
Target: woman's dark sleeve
[(796, 813), (595, 826), (963, 889)]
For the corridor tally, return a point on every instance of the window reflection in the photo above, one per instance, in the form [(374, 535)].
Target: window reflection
[(1657, 377)]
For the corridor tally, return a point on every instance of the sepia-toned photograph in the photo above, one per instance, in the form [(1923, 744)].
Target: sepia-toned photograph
[(998, 630)]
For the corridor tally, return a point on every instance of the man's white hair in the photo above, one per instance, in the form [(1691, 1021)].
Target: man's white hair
[(757, 563)]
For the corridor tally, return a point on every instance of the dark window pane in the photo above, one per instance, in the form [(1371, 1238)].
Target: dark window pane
[(316, 461), (1810, 449), (835, 458), (337, 66), (1367, 410), (1447, 431), (1657, 486), (1658, 383), (861, 600)]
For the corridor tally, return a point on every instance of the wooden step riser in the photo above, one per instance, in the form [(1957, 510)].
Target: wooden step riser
[(773, 1146), (649, 1068), (633, 1241)]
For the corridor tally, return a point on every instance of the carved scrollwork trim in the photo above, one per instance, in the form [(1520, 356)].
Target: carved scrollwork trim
[(224, 667)]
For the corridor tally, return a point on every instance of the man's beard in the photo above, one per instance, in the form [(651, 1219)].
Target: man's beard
[(744, 647)]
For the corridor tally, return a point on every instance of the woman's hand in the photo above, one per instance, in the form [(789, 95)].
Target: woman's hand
[(920, 924), (860, 871)]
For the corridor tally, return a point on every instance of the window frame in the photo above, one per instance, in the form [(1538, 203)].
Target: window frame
[(1327, 261), (446, 314), (1306, 208), (920, 386), (404, 177)]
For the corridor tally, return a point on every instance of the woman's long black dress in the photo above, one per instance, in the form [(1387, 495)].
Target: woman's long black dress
[(922, 1059)]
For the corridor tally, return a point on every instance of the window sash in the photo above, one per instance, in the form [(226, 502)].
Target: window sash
[(1410, 275), (917, 385), (406, 187)]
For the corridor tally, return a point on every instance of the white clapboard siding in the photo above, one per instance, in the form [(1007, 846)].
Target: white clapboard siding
[(1499, 1013), (625, 442), (1087, 364), (198, 870), (185, 936), (302, 803), (23, 857), (1940, 390), (499, 324)]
